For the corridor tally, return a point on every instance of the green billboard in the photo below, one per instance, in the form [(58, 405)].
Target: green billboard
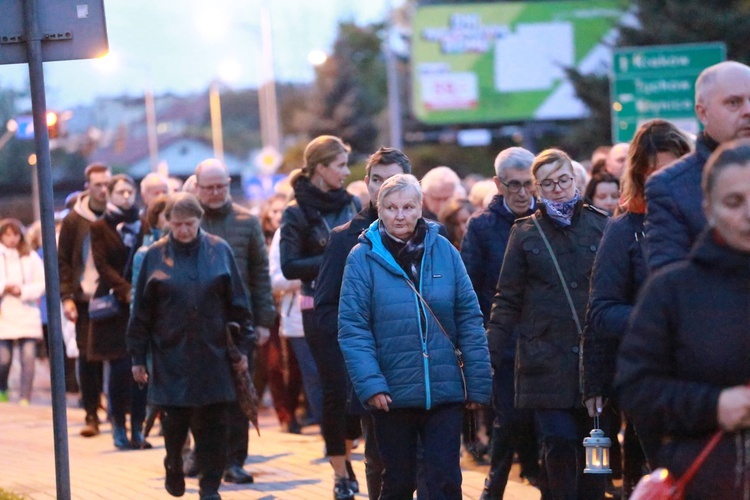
[(500, 62)]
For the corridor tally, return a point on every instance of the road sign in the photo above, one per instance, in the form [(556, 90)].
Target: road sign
[(657, 82)]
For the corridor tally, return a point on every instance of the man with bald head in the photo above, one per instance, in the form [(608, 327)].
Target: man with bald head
[(153, 185), (243, 232), (617, 157), (674, 217)]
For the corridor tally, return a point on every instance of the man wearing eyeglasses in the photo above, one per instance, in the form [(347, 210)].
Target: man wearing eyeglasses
[(243, 232), (482, 251)]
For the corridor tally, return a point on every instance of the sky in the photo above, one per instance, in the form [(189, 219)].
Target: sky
[(181, 46)]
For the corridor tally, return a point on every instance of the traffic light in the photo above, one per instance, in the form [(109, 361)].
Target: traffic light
[(53, 125)]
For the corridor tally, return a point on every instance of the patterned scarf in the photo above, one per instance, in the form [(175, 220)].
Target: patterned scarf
[(562, 211)]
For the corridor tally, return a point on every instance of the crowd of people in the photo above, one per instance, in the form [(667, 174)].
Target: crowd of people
[(412, 314)]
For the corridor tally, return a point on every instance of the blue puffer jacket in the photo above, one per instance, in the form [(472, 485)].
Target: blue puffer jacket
[(381, 335), (674, 217)]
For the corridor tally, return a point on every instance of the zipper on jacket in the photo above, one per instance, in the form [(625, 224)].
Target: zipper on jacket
[(423, 333)]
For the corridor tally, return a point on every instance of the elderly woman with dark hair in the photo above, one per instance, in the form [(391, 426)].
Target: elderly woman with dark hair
[(543, 292), (407, 308), (188, 289), (618, 274), (683, 364)]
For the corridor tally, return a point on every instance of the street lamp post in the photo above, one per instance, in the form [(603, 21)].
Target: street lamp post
[(394, 99), (217, 134), (269, 115)]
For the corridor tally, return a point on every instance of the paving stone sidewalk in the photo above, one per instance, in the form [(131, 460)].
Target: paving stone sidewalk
[(285, 466)]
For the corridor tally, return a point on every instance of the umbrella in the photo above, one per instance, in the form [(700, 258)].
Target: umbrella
[(247, 397)]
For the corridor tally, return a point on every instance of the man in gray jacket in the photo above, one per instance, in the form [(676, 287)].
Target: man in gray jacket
[(243, 232)]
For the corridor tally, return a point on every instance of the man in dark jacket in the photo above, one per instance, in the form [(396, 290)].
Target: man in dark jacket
[(674, 217), (383, 164), (242, 231), (78, 281), (482, 251)]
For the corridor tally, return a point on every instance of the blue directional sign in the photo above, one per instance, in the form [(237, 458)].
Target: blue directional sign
[(25, 130)]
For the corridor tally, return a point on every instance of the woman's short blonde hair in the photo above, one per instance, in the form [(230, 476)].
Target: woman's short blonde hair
[(397, 183), (557, 157)]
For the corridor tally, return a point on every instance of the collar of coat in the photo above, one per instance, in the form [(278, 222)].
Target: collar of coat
[(710, 252)]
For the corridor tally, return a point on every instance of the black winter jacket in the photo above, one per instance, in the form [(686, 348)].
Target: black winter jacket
[(241, 229), (531, 298), (688, 340), (619, 272), (184, 297), (674, 217), (302, 244)]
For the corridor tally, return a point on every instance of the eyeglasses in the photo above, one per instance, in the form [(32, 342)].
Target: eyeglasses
[(548, 185), (215, 187), (515, 186)]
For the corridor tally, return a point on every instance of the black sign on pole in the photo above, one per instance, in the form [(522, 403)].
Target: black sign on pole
[(34, 31)]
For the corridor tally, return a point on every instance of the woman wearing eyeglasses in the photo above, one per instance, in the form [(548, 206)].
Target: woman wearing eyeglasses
[(536, 300)]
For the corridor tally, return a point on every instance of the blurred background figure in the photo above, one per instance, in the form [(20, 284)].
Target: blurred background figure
[(603, 192), (153, 185), (21, 286), (439, 185), (618, 274), (276, 365), (682, 369), (454, 216), (114, 240), (617, 157), (358, 188), (582, 176), (481, 193)]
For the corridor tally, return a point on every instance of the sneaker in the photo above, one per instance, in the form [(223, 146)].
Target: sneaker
[(3, 396), (353, 483), (342, 490)]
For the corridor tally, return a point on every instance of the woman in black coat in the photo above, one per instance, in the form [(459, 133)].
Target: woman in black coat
[(684, 363), (532, 299), (619, 271), (320, 204), (188, 289), (114, 239)]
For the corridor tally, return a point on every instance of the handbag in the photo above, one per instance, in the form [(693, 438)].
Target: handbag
[(104, 307), (456, 350), (661, 484)]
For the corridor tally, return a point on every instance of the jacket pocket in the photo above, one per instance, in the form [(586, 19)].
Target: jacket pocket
[(535, 353)]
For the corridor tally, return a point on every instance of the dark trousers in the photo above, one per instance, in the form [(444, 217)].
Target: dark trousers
[(208, 426), (125, 395), (90, 377), (337, 425), (562, 434), (373, 463), (512, 432), (398, 433)]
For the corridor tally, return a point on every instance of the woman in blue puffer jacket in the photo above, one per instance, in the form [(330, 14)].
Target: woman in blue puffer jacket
[(406, 303)]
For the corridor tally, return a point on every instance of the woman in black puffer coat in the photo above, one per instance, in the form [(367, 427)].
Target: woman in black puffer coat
[(683, 367), (320, 204), (619, 271)]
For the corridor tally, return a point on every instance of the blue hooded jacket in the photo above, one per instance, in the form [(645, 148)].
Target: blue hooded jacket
[(382, 338)]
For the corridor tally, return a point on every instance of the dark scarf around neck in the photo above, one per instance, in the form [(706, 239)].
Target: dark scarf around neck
[(315, 202), (408, 253)]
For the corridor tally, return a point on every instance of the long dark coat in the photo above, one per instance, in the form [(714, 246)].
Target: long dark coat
[(185, 295), (689, 339), (111, 257), (531, 298)]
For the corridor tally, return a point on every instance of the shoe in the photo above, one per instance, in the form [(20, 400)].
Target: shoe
[(209, 496), (342, 490), (477, 450), (236, 474), (174, 481), (120, 435), (353, 483), (190, 464), (4, 396), (138, 442), (293, 427), (91, 428)]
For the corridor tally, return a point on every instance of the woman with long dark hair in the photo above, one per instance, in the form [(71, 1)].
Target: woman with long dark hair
[(320, 204)]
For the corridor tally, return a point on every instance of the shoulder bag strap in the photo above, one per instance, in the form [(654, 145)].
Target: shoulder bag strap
[(456, 350)]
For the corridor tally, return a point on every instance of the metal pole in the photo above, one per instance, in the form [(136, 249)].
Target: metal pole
[(394, 101), (153, 141), (51, 274), (214, 105), (269, 115)]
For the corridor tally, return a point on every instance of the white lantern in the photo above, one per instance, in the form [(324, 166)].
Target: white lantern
[(597, 451)]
